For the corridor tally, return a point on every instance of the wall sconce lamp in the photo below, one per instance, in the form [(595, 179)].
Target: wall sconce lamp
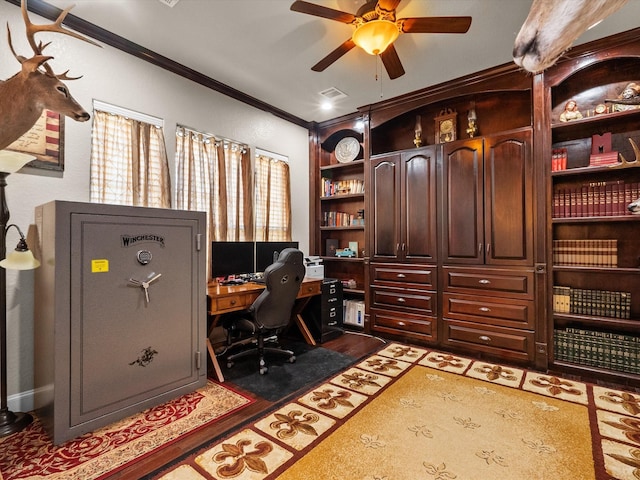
[(19, 259), (472, 119), (417, 140)]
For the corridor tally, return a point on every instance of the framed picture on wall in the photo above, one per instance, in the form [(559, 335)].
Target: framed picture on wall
[(45, 141)]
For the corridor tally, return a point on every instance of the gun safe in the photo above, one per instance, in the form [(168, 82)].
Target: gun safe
[(120, 312)]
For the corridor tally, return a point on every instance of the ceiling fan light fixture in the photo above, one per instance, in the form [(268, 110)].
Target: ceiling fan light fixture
[(375, 36)]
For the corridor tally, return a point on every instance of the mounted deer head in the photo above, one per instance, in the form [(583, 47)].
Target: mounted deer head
[(553, 25), (24, 96)]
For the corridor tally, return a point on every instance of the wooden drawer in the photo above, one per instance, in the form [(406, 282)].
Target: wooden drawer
[(491, 310), (500, 342), (405, 324), (422, 300), (233, 301), (310, 289), (492, 281), (391, 272)]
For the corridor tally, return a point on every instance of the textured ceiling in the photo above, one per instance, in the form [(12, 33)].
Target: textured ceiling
[(266, 51)]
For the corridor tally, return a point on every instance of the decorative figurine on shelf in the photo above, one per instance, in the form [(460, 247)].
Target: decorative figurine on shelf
[(472, 119), (417, 141), (571, 112), (629, 99)]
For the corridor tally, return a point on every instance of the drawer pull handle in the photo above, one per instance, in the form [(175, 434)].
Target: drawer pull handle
[(401, 300), (402, 324), (233, 302), (401, 275), (484, 338), (484, 309), (484, 281)]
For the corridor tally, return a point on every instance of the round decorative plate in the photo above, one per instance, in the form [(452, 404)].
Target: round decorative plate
[(347, 149)]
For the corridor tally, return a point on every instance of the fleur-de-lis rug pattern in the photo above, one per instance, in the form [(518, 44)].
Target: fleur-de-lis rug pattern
[(29, 454), (408, 413)]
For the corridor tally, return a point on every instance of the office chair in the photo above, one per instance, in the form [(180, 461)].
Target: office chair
[(271, 311)]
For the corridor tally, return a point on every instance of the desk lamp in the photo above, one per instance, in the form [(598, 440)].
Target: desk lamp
[(20, 259)]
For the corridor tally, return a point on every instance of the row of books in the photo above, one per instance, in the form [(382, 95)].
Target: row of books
[(585, 253), (354, 312), (595, 199), (612, 351), (601, 303), (558, 159), (341, 187), (341, 219)]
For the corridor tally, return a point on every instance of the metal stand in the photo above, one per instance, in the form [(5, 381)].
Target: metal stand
[(10, 422)]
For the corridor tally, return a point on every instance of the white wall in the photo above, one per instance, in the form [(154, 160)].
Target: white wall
[(115, 77)]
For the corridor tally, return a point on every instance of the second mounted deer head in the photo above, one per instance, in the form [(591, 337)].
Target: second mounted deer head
[(36, 87)]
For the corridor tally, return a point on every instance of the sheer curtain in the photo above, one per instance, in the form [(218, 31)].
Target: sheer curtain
[(273, 199), (128, 162), (214, 175)]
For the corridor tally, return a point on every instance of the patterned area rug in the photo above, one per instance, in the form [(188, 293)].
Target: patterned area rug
[(30, 454), (409, 413)]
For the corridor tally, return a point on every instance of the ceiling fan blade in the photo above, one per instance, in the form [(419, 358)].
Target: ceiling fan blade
[(436, 24), (320, 11), (392, 63), (388, 5), (333, 56)]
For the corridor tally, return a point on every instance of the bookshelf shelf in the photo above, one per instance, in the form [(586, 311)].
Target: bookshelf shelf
[(346, 196), (581, 269), (600, 219), (590, 321), (590, 371), (353, 227)]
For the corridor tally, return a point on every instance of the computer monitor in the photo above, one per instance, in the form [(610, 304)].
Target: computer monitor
[(232, 258), (267, 253)]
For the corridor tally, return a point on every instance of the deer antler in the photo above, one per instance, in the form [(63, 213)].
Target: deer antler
[(37, 48)]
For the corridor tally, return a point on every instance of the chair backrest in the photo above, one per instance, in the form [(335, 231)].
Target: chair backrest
[(272, 308)]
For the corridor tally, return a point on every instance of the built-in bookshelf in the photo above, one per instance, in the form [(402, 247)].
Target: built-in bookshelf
[(595, 258)]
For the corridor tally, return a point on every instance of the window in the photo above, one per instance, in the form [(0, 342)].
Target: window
[(272, 197), (214, 175), (128, 159)]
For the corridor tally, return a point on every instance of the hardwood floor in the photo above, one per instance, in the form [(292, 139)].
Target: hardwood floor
[(351, 343)]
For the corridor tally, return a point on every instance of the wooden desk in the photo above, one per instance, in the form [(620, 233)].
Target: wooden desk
[(233, 298)]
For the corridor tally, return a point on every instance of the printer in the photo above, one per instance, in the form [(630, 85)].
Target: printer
[(313, 267)]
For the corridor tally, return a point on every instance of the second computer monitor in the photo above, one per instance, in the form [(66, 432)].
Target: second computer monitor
[(267, 253)]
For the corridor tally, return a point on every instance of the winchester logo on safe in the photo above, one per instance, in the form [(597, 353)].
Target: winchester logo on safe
[(130, 240)]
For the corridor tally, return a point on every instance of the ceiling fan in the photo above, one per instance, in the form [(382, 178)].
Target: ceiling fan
[(377, 29)]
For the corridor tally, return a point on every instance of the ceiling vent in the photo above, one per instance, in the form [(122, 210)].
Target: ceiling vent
[(333, 94), (169, 3)]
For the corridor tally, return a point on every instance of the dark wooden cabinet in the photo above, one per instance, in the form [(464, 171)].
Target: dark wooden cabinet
[(403, 206), (488, 200), (403, 244)]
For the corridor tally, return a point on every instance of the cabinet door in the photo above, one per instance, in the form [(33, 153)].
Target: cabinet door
[(508, 185), (385, 207), (418, 205), (463, 203)]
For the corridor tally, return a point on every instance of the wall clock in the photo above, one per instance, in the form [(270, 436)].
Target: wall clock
[(446, 126)]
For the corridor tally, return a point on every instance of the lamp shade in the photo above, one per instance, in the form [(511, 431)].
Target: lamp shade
[(11, 162), (21, 258), (18, 260), (375, 36)]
